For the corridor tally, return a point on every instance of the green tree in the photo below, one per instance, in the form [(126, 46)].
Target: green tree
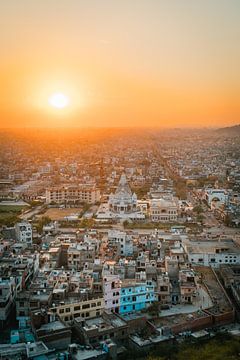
[(44, 220)]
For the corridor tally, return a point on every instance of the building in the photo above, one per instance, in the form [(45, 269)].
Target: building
[(7, 297), (111, 292), (72, 308), (123, 201), (216, 197), (123, 240), (79, 254), (24, 232), (188, 286), (162, 210), (212, 252), (103, 328), (135, 296), (73, 194), (122, 204)]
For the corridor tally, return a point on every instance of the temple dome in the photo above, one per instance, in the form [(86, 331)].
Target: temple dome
[(123, 201)]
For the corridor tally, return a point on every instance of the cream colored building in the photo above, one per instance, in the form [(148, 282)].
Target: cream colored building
[(73, 308), (162, 210), (72, 194)]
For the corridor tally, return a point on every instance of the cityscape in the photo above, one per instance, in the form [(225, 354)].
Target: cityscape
[(120, 244), (120, 180)]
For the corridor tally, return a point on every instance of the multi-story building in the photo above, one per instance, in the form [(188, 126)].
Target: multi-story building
[(7, 296), (213, 252), (111, 292), (73, 194), (188, 286), (162, 210), (135, 296), (24, 232), (71, 308), (124, 241), (79, 254), (164, 288)]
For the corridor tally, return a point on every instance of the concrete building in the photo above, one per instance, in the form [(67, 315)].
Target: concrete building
[(73, 194), (216, 197), (24, 232), (7, 296), (188, 286), (111, 292), (162, 210), (72, 308), (103, 328), (79, 254), (212, 252), (135, 296), (123, 240)]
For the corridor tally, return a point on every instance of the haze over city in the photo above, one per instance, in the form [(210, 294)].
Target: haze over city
[(119, 63), (119, 179)]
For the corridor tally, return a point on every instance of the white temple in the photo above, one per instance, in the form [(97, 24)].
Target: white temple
[(123, 201), (122, 204)]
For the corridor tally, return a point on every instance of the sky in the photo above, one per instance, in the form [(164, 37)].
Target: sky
[(158, 63)]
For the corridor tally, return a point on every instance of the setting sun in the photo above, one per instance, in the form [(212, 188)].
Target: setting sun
[(58, 100)]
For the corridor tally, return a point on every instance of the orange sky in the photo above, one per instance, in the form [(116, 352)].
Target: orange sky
[(121, 62)]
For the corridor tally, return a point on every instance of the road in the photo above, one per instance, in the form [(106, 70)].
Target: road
[(29, 214)]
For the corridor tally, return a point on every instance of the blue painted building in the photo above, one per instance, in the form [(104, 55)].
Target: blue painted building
[(135, 296)]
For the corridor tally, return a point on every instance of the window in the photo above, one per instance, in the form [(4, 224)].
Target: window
[(76, 308), (86, 306), (67, 310)]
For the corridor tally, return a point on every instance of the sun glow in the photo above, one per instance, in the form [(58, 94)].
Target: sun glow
[(58, 100)]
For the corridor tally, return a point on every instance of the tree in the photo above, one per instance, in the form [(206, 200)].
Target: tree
[(45, 220), (198, 209)]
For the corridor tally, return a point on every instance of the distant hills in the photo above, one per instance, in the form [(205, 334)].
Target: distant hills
[(230, 130)]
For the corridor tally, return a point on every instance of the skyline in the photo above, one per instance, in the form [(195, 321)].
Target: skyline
[(139, 63)]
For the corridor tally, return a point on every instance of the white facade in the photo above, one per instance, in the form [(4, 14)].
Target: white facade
[(214, 259), (212, 253), (124, 240), (111, 292), (123, 201), (218, 196), (162, 210), (24, 232), (122, 204)]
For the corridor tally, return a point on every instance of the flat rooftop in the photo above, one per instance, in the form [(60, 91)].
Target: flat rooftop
[(220, 301), (210, 246)]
